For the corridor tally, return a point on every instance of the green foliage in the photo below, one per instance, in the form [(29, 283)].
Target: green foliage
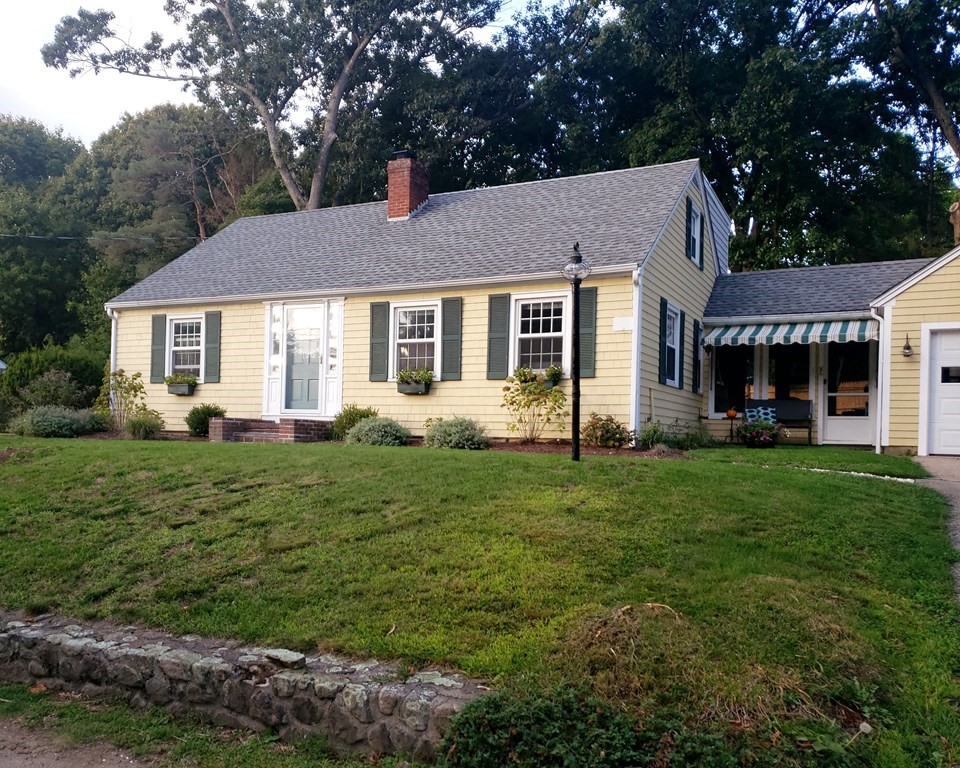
[(564, 727), (533, 407), (350, 415), (650, 434), (455, 433), (605, 432), (85, 368), (56, 421), (143, 425), (688, 437), (415, 376), (180, 378), (122, 397), (553, 374), (198, 418), (55, 387), (759, 433), (378, 430)]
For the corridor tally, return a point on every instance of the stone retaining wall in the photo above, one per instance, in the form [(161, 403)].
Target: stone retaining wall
[(367, 707)]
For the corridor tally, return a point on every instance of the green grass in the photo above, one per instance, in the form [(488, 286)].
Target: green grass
[(728, 588), (156, 737)]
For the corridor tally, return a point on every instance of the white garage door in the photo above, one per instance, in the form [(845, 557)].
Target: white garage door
[(945, 392)]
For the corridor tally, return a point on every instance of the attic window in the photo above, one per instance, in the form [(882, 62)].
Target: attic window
[(694, 233)]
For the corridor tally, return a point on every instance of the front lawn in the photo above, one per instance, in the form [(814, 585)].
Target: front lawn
[(730, 590)]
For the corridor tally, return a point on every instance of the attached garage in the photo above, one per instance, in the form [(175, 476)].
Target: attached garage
[(920, 360)]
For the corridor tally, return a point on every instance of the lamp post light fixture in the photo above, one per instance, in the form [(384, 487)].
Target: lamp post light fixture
[(576, 270)]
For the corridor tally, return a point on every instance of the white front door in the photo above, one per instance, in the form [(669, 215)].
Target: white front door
[(849, 393), (303, 376), (945, 392)]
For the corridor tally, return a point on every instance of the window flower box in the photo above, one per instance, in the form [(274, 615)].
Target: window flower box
[(182, 384), (414, 381), (413, 387)]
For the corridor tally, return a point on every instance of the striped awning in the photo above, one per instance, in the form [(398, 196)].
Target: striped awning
[(792, 333)]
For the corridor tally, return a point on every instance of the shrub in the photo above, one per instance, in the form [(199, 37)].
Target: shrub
[(145, 425), (650, 435), (455, 433), (686, 438), (605, 432), (55, 421), (567, 727), (534, 408), (350, 415), (84, 366), (378, 430), (55, 387), (128, 399), (198, 418)]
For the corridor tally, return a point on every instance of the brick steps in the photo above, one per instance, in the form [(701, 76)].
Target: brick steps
[(225, 430)]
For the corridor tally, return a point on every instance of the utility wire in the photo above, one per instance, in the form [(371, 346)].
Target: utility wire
[(179, 238)]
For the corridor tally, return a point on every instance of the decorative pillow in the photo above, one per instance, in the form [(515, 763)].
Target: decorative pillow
[(760, 413)]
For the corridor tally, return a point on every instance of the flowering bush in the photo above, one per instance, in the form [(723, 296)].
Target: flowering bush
[(760, 433)]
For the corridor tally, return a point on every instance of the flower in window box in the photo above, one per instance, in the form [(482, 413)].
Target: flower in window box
[(414, 381), (552, 376)]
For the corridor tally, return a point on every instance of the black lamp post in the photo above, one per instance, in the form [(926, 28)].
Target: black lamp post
[(576, 271)]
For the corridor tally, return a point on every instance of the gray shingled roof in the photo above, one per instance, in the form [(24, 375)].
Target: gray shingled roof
[(807, 290), (480, 234)]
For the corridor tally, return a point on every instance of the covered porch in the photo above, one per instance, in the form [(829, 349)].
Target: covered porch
[(831, 363)]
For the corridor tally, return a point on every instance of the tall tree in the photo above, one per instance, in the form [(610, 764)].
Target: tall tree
[(273, 56), (913, 46)]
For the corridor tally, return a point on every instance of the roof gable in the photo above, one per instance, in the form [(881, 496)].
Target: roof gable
[(496, 233), (912, 280)]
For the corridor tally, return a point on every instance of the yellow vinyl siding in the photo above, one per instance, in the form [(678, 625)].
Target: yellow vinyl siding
[(474, 396), (240, 389), (934, 299), (671, 275)]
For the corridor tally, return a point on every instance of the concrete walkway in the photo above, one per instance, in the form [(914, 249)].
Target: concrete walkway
[(946, 480)]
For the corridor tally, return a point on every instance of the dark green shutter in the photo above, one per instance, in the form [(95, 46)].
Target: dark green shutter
[(663, 341), (697, 355), (211, 347), (700, 259), (588, 332), (379, 339), (158, 349), (689, 250), (680, 345), (498, 336), (452, 335)]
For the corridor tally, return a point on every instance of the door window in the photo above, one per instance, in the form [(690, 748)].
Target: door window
[(848, 379)]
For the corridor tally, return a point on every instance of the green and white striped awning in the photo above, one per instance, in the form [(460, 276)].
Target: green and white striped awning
[(792, 333)]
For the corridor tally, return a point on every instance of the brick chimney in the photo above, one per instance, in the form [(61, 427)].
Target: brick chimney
[(407, 185)]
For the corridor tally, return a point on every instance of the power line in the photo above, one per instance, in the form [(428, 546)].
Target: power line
[(127, 238)]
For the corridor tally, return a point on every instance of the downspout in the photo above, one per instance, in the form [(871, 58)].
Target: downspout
[(635, 351), (114, 317), (881, 367)]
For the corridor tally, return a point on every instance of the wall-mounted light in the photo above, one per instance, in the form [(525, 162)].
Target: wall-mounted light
[(907, 350)]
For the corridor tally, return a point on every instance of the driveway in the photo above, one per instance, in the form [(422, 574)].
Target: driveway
[(946, 480)]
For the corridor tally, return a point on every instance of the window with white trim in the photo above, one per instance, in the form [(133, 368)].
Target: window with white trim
[(415, 337), (185, 346), (672, 344), (540, 332), (695, 244)]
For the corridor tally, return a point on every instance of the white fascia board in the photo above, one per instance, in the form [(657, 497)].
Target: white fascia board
[(400, 288), (771, 319), (915, 278)]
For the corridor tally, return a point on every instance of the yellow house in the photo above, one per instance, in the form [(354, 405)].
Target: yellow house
[(283, 319)]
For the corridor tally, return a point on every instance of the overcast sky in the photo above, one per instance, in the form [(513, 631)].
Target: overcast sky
[(88, 105), (83, 106)]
